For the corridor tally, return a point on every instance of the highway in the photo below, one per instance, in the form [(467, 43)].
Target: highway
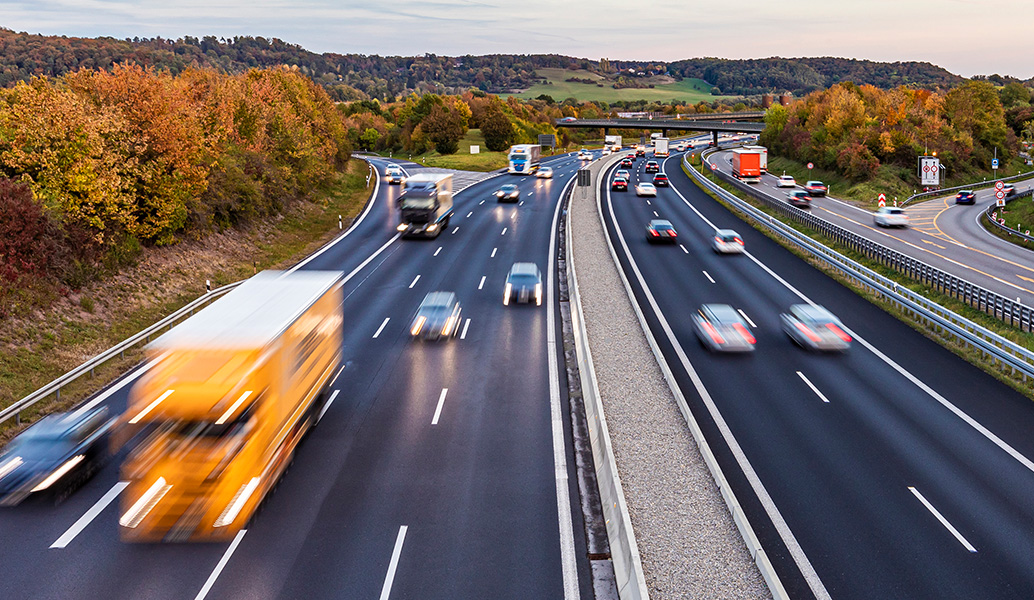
[(896, 470), (439, 470), (943, 235)]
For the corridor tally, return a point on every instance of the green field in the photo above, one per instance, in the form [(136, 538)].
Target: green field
[(688, 91)]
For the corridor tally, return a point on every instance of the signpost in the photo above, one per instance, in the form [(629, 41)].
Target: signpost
[(547, 139), (584, 180), (929, 170)]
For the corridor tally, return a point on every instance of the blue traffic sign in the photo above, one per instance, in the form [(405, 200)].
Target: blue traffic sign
[(994, 163)]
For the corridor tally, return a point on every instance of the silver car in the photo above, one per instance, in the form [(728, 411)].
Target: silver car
[(813, 327), (523, 284), (438, 316), (890, 216), (722, 329), (727, 241)]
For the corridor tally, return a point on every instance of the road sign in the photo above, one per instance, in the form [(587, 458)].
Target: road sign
[(1000, 202), (1000, 194), (584, 178), (881, 201), (999, 185), (810, 166), (547, 139), (929, 170), (994, 163)]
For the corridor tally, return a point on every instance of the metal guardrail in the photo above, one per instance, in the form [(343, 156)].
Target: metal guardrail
[(1010, 354), (1005, 228), (54, 387), (969, 186)]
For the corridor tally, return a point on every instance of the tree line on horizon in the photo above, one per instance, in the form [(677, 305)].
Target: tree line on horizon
[(388, 78)]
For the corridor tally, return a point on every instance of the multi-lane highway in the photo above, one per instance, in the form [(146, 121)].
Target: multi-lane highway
[(439, 470), (896, 470), (944, 235)]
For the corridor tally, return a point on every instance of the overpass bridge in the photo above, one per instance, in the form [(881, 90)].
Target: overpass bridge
[(715, 123)]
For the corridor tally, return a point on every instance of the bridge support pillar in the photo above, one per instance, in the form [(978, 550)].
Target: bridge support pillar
[(664, 133), (714, 138)]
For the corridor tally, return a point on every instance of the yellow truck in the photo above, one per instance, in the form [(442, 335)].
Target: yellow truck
[(230, 393)]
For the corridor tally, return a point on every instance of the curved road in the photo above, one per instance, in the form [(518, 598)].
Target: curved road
[(942, 235)]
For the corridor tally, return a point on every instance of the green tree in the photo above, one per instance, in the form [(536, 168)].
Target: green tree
[(497, 129), (1014, 94), (369, 138), (444, 128)]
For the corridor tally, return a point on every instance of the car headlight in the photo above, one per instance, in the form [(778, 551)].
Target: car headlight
[(402, 227), (58, 473), (418, 325), (507, 292)]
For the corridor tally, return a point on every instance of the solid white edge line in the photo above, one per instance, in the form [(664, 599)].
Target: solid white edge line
[(438, 409), (351, 228), (326, 406), (222, 564), (381, 328), (944, 522), (482, 284), (812, 386), (569, 566), (83, 521), (414, 282), (744, 315), (1023, 460), (466, 324), (393, 565)]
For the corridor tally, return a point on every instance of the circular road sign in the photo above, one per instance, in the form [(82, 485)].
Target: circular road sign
[(999, 185), (1000, 195), (811, 166)]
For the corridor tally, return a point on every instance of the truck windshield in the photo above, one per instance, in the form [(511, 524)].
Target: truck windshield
[(418, 199)]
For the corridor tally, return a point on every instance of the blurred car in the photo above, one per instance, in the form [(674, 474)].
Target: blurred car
[(622, 173), (799, 198), (395, 176), (544, 173), (605, 152), (523, 284), (392, 166), (632, 157), (680, 147), (661, 180), (815, 188), (1009, 189), (966, 197), (727, 241), (814, 328), (661, 230), (508, 193), (54, 456), (568, 119), (786, 181), (437, 316), (626, 162), (652, 167), (645, 188), (619, 184), (890, 216), (584, 155), (722, 329), (640, 152), (710, 144)]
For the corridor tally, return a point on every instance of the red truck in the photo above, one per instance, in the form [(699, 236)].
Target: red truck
[(746, 165)]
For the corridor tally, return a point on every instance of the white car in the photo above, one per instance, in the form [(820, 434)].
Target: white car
[(786, 181), (645, 189), (605, 152), (727, 241), (544, 173), (890, 216), (583, 155)]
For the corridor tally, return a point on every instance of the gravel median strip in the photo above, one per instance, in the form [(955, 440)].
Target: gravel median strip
[(687, 539)]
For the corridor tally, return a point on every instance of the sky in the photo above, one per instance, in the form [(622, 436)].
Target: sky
[(966, 37)]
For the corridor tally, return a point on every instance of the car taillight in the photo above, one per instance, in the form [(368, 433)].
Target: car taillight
[(739, 241), (711, 331), (671, 233), (746, 334), (808, 332), (839, 332), (718, 239), (654, 233)]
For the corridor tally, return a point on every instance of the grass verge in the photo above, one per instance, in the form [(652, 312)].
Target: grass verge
[(51, 343), (931, 331)]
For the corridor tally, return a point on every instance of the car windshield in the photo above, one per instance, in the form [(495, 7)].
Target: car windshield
[(417, 198), (894, 211), (523, 279), (508, 188), (646, 185), (814, 314), (727, 237), (723, 314), (662, 226)]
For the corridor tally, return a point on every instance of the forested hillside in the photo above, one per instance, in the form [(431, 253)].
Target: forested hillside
[(803, 75), (355, 76)]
